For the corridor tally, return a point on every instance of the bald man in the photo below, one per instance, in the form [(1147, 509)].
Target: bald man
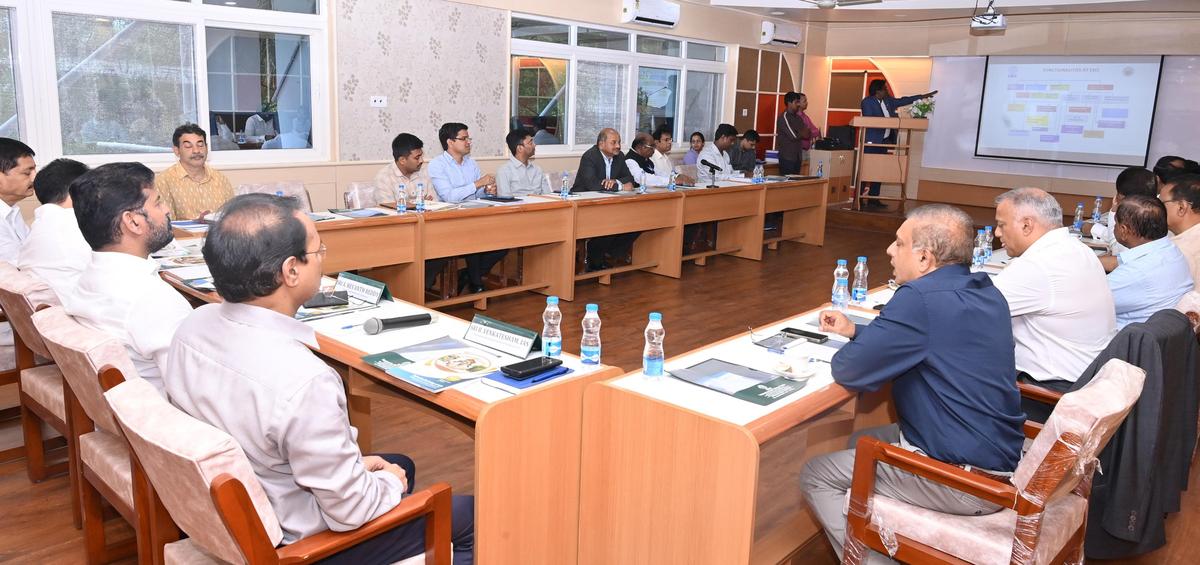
[(601, 166)]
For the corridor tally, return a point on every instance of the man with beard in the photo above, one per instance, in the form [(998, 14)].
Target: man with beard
[(191, 188), (124, 219)]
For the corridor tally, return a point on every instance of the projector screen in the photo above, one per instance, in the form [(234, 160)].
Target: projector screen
[(1086, 110)]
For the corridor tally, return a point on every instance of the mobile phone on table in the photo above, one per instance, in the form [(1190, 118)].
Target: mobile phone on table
[(813, 337), (522, 370)]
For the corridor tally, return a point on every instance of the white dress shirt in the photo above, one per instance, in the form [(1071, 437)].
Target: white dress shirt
[(1108, 235), (719, 158), (12, 233), (122, 295), (662, 164), (55, 250), (1062, 309), (249, 371), (648, 179)]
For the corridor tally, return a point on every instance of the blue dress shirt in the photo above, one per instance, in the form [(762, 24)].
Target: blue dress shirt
[(1150, 277), (455, 182), (945, 343)]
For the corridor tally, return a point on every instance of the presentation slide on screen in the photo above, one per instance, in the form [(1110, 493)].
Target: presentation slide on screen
[(1095, 110)]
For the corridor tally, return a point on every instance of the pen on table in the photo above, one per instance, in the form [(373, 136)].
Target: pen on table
[(352, 326)]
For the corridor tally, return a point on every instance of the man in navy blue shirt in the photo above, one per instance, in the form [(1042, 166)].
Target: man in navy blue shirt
[(945, 343)]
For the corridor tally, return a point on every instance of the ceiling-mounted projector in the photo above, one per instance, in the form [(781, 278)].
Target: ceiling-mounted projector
[(831, 4), (991, 20)]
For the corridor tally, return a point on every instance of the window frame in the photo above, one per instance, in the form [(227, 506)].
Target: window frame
[(632, 60)]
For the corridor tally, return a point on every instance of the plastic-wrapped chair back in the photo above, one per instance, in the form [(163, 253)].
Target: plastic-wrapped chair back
[(293, 188), (21, 294), (362, 195)]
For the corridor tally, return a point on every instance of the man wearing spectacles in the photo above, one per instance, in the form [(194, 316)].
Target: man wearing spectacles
[(1182, 198), (457, 177), (124, 219)]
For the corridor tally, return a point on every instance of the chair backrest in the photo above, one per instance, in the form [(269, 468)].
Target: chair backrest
[(1190, 306), (81, 353), (182, 456), (362, 195), (21, 294), (1092, 414), (293, 188)]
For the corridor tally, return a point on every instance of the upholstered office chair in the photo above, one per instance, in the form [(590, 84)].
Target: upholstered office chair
[(293, 188), (40, 388), (207, 484), (105, 467), (1190, 306), (1044, 514)]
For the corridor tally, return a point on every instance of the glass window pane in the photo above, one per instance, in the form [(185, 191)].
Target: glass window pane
[(705, 52), (535, 30), (657, 98), (602, 39), (702, 103), (658, 46), (600, 102), (540, 104), (262, 99), (10, 125), (123, 85), (294, 6)]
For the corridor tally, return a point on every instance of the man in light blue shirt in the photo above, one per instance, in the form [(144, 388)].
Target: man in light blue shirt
[(1153, 274), (456, 176)]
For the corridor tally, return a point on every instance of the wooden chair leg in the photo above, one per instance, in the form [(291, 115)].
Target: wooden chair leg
[(74, 476), (93, 523), (35, 449)]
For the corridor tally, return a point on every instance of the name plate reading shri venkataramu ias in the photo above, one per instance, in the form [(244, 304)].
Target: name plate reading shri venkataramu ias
[(510, 339)]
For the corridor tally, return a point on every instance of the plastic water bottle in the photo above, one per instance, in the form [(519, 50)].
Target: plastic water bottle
[(841, 286), (589, 346), (1096, 210), (402, 199), (565, 191), (987, 248), (671, 187), (821, 169), (552, 328), (279, 193), (653, 355), (1077, 227), (420, 204), (858, 292), (759, 177), (978, 255)]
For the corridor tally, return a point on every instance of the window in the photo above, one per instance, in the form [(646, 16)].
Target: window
[(295, 6), (600, 101), (535, 30), (10, 124), (657, 94), (259, 90), (702, 106), (123, 84), (705, 52), (603, 39), (651, 45), (540, 98)]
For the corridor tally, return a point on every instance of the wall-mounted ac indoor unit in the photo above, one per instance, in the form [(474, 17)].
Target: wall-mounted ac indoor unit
[(780, 34), (650, 12)]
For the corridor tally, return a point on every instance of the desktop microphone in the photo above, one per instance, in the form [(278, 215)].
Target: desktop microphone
[(710, 165), (376, 325)]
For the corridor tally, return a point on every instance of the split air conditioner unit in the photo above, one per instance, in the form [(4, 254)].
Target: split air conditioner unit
[(780, 34), (650, 12)]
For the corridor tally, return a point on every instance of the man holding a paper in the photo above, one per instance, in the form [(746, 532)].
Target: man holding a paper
[(945, 343)]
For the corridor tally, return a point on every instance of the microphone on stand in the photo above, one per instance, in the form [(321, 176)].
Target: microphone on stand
[(711, 166), (712, 171)]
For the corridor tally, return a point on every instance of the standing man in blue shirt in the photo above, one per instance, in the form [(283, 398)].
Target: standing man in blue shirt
[(456, 177), (880, 104), (945, 343), (1152, 274)]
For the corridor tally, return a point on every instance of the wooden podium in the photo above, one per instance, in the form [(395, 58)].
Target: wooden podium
[(884, 167)]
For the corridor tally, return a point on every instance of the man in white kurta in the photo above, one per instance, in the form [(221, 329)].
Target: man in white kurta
[(55, 250)]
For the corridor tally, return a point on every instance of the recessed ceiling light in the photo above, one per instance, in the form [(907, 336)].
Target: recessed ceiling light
[(778, 13), (231, 3)]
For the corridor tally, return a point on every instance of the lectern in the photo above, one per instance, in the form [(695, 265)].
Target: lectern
[(884, 167)]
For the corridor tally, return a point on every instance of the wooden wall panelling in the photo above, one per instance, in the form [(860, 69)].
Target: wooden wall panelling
[(747, 73)]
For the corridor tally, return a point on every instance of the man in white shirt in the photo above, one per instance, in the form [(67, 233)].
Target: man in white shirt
[(1062, 309), (717, 154), (124, 219), (663, 143), (520, 176), (246, 366), (1133, 180), (55, 250), (644, 170), (1181, 196), (16, 184)]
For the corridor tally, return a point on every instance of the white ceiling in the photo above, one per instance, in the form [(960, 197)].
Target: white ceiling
[(924, 10)]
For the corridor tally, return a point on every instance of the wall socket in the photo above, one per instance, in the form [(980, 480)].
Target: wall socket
[(379, 101), (745, 112)]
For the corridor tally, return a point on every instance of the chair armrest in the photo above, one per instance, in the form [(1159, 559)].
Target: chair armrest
[(434, 501), (1032, 429), (870, 450), (1043, 395)]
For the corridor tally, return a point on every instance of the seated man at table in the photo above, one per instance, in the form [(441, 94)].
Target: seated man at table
[(716, 155), (641, 165), (17, 169), (603, 167), (520, 176), (1182, 199), (191, 188), (1133, 180), (1062, 310), (124, 220), (408, 154), (457, 178), (1168, 167), (55, 250), (945, 345), (246, 366), (742, 156), (1153, 274), (663, 143)]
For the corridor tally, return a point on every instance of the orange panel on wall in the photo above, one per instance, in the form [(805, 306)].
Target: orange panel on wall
[(765, 122), (764, 143), (846, 90), (836, 118), (853, 65)]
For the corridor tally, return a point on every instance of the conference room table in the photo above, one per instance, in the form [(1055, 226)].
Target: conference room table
[(673, 472)]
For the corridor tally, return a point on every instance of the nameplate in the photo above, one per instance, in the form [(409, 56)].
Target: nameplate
[(507, 338), (362, 288)]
